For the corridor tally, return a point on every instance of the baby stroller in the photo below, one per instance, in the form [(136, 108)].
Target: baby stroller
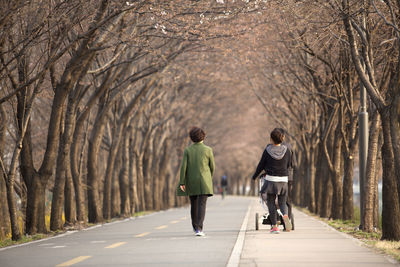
[(265, 218)]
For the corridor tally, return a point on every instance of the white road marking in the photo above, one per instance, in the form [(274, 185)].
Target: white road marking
[(234, 259), (46, 244)]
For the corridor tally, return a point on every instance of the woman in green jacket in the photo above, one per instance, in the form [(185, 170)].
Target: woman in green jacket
[(196, 173)]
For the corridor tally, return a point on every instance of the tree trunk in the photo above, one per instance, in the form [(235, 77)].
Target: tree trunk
[(147, 179), (94, 204), (297, 183), (115, 193), (352, 142), (337, 200), (371, 183), (36, 191), (311, 176), (395, 133), (133, 187), (327, 192), (124, 178), (69, 202), (140, 182), (305, 189), (158, 178), (390, 197), (57, 203), (75, 167), (4, 213), (348, 207), (36, 208), (108, 181), (318, 178), (12, 207), (162, 173)]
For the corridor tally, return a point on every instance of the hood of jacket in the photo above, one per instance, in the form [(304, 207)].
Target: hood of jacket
[(276, 152)]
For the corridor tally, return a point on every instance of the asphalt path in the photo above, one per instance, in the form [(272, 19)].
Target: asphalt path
[(166, 239), (160, 239), (313, 243)]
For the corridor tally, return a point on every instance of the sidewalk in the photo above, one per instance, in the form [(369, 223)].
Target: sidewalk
[(313, 243)]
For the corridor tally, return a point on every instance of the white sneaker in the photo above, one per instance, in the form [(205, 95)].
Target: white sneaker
[(200, 233)]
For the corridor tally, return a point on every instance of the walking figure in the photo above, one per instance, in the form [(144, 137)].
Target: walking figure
[(224, 185), (275, 162), (196, 173)]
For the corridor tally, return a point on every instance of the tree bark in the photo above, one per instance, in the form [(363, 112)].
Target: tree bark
[(124, 178), (148, 180), (163, 172), (390, 197), (4, 214), (371, 183), (133, 184), (352, 142), (311, 177), (95, 214), (69, 202), (57, 203), (348, 207), (395, 129), (115, 193), (327, 192), (337, 200)]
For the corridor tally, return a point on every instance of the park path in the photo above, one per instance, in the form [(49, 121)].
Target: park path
[(312, 243), (166, 239)]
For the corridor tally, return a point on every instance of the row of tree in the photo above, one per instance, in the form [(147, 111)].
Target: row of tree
[(327, 51), (97, 98), (95, 105)]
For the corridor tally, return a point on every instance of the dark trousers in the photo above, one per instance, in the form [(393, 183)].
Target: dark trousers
[(198, 211), (273, 214)]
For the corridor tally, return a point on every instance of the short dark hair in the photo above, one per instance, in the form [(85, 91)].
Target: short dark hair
[(197, 134), (277, 135)]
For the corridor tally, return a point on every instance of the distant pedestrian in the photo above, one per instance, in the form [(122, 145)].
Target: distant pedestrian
[(275, 162), (224, 185), (196, 173)]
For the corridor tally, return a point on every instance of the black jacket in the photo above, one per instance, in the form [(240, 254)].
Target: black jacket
[(275, 161), (292, 164)]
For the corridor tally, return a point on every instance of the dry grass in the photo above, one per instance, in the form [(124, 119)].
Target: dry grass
[(391, 248)]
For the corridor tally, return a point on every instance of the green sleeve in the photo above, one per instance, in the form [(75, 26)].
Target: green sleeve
[(211, 162), (182, 179)]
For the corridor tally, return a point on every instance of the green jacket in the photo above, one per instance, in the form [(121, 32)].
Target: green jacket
[(197, 169)]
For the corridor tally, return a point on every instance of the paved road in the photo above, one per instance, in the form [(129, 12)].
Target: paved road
[(160, 239), (313, 243), (166, 239)]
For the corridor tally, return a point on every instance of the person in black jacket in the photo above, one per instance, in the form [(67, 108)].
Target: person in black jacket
[(275, 162)]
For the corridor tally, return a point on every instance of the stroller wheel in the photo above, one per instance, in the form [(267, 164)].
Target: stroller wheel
[(257, 221)]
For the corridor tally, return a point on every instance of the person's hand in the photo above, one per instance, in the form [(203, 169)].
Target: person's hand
[(183, 188)]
